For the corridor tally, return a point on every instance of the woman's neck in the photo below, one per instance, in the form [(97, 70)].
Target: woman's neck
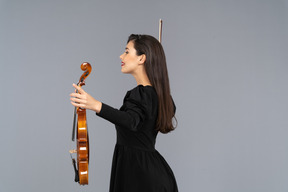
[(142, 79)]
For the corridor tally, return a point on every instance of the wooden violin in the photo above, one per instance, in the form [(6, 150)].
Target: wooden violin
[(81, 170)]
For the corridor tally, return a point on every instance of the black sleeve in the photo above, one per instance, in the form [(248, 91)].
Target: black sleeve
[(130, 118), (137, 106)]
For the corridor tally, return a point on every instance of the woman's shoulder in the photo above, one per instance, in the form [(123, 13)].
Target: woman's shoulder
[(142, 92)]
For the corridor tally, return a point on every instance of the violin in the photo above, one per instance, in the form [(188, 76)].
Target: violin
[(81, 170)]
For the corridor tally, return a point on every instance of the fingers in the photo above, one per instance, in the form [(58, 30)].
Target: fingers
[(81, 98), (77, 104), (77, 95), (78, 88), (77, 100)]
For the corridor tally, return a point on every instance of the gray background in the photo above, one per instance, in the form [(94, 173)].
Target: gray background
[(227, 63)]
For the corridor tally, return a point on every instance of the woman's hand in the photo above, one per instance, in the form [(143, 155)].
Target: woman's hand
[(84, 100)]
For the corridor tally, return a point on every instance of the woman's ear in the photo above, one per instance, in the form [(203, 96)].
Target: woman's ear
[(142, 59)]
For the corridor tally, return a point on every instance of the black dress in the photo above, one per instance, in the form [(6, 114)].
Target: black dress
[(137, 166)]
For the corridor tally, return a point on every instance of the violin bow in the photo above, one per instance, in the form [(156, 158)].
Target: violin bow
[(160, 30)]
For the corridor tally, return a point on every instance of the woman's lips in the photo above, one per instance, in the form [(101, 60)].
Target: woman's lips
[(122, 64)]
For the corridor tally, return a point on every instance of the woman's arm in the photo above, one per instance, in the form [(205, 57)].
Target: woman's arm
[(129, 118)]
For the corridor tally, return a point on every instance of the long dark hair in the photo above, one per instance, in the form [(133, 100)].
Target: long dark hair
[(156, 69)]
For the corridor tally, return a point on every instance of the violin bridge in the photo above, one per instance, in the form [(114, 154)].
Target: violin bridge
[(72, 151)]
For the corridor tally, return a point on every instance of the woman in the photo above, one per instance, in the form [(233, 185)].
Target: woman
[(147, 109)]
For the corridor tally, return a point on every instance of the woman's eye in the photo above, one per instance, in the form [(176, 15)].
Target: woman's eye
[(126, 52)]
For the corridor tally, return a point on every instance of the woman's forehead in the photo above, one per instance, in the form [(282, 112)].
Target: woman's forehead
[(130, 44)]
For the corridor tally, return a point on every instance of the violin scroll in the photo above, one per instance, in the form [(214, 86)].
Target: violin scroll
[(86, 67)]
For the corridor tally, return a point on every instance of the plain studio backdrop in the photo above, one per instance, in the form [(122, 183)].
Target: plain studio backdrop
[(227, 63)]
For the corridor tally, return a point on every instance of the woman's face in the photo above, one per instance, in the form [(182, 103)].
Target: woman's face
[(130, 60)]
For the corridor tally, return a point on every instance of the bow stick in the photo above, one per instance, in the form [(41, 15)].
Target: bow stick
[(160, 30)]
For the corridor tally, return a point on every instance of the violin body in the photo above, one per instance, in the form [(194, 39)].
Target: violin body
[(82, 147), (81, 171)]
